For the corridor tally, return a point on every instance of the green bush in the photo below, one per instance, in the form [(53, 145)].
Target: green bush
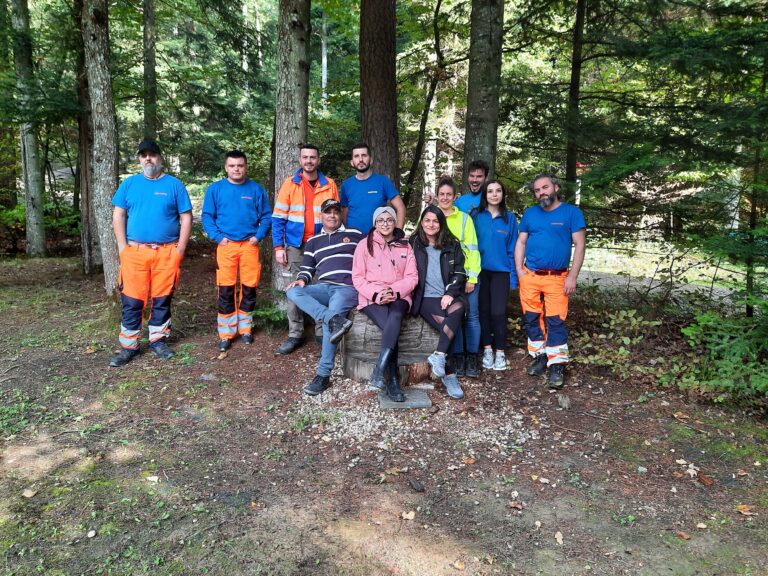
[(730, 354)]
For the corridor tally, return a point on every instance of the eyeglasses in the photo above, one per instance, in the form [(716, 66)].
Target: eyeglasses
[(384, 221)]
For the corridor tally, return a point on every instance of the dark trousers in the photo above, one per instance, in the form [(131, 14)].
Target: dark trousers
[(494, 293), (446, 322), (388, 318)]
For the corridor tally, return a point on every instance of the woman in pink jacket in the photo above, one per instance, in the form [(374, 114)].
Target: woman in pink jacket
[(384, 275)]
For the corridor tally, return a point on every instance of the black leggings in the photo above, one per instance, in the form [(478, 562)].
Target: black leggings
[(446, 322), (494, 293), (388, 317)]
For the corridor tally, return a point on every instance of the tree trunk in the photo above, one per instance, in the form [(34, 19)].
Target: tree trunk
[(8, 146), (572, 118), (324, 59), (482, 122), (88, 233), (756, 200), (378, 85), (104, 168), (30, 160), (292, 96), (150, 75)]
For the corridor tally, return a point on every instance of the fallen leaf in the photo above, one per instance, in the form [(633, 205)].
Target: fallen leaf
[(535, 420), (222, 355), (154, 479), (681, 461), (516, 504), (559, 537), (409, 515), (706, 480), (534, 477), (544, 480), (416, 485), (741, 472), (683, 535), (89, 350), (255, 504), (745, 510), (392, 471), (469, 461), (28, 493), (681, 416), (537, 525), (701, 526), (459, 565)]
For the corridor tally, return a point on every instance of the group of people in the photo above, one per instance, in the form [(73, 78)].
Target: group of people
[(349, 250)]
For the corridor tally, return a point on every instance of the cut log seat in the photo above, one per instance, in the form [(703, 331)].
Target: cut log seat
[(360, 348)]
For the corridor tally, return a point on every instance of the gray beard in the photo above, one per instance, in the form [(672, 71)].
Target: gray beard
[(151, 171), (546, 201)]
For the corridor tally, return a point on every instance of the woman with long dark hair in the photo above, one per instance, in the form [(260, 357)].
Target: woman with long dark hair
[(384, 275), (496, 236), (439, 294)]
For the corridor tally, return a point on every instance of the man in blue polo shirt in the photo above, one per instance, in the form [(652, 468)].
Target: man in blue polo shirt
[(542, 257), (362, 193), (152, 220)]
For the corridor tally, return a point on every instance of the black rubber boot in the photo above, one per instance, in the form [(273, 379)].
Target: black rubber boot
[(378, 376), (394, 391)]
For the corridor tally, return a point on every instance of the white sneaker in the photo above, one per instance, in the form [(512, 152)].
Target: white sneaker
[(487, 358), (501, 361)]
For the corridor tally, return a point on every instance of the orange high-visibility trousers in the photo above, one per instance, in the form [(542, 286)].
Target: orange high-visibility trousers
[(235, 307), (545, 307), (149, 273)]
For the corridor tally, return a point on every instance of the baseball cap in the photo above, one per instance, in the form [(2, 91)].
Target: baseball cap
[(148, 146), (330, 203)]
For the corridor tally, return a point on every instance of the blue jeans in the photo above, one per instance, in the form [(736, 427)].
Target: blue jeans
[(323, 302), (470, 328)]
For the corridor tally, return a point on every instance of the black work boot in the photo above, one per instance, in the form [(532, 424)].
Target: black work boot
[(378, 375), (470, 368), (338, 326), (556, 376), (318, 385), (123, 357), (538, 366), (394, 391), (459, 364), (224, 344)]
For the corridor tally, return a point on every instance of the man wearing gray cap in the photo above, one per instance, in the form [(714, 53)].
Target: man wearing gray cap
[(152, 221), (328, 259)]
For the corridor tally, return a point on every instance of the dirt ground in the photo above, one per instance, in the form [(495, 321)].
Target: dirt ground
[(202, 465)]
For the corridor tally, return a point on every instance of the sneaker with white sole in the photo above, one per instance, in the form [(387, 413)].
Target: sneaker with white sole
[(437, 362), (500, 363), (488, 359)]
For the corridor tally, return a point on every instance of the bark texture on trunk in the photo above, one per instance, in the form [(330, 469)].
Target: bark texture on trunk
[(150, 71), (104, 159), (88, 233), (574, 88), (480, 133), (378, 85), (30, 159), (292, 98), (9, 148)]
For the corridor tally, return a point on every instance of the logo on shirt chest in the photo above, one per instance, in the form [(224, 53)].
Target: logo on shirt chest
[(346, 240), (249, 198), (161, 193)]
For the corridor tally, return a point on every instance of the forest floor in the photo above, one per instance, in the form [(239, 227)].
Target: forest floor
[(202, 465)]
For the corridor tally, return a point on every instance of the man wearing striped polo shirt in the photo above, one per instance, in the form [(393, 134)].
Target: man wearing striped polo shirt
[(327, 258)]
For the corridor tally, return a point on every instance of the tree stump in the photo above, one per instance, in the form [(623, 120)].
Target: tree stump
[(362, 344)]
